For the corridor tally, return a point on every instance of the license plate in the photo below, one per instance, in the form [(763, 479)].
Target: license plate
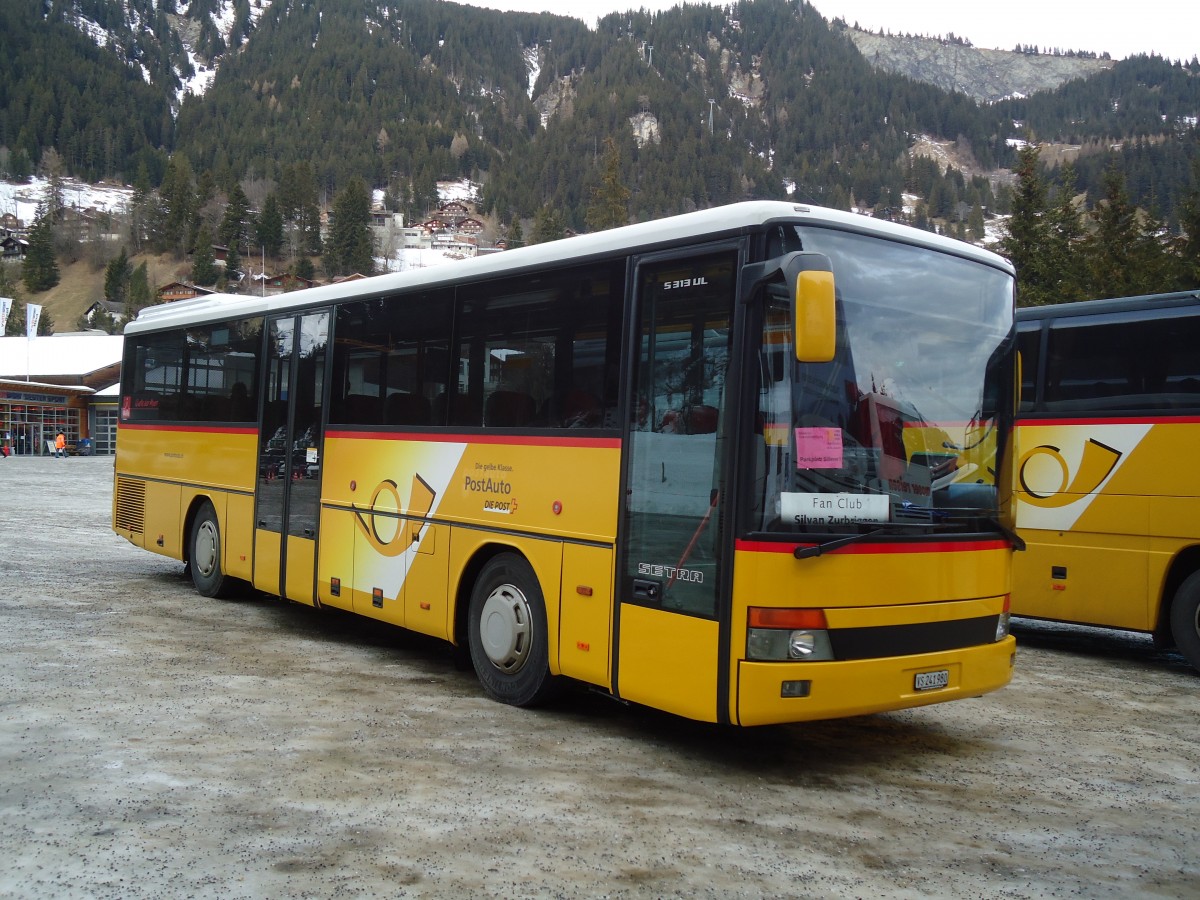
[(931, 681)]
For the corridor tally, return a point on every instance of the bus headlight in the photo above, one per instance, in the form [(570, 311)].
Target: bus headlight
[(787, 635)]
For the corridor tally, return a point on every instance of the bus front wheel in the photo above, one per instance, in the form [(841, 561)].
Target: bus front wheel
[(204, 555), (507, 633), (1185, 619)]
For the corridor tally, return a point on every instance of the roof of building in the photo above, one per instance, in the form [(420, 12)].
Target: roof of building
[(58, 355)]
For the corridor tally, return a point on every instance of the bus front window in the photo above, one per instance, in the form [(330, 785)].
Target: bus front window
[(904, 425)]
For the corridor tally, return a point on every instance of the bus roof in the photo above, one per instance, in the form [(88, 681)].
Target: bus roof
[(1108, 305), (722, 221)]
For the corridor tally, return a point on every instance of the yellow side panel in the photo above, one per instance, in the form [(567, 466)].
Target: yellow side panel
[(563, 490), (266, 561), (668, 661), (238, 536), (301, 559), (426, 604), (378, 586), (585, 620), (216, 456), (336, 558), (164, 519), (1105, 581)]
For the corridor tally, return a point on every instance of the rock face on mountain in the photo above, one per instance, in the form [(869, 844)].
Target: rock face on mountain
[(986, 75)]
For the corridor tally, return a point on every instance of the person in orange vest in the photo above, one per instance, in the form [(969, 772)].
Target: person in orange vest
[(60, 445)]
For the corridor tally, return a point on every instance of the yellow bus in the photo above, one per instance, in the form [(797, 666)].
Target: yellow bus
[(739, 465), (1107, 486)]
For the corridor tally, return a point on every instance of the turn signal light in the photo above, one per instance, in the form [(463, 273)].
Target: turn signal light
[(768, 617)]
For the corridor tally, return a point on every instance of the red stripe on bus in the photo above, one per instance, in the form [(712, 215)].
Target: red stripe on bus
[(208, 429), (443, 438), (1115, 420), (893, 547)]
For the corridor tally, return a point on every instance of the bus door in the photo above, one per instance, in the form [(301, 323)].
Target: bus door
[(287, 499), (668, 610)]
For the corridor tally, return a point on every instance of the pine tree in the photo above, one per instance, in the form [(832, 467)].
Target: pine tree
[(516, 237), (975, 224), (204, 266), (1123, 257), (548, 226), (1065, 241), (610, 199), (40, 271), (10, 287), (1189, 223), (269, 231), (234, 223), (138, 296), (350, 247), (178, 204), (116, 278), (1029, 233)]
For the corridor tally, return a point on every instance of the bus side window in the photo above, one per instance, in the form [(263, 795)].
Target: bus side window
[(541, 353)]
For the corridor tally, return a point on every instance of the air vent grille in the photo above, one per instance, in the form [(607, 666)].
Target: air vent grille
[(130, 515)]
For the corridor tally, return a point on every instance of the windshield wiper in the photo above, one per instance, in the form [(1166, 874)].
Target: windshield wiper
[(1018, 542), (819, 549)]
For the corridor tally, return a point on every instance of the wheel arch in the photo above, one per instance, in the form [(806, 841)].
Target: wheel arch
[(480, 557), (1185, 563), (189, 519)]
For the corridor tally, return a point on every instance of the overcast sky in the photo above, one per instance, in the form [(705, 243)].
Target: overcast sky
[(1170, 28)]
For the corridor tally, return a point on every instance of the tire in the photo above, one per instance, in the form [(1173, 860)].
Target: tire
[(1185, 619), (204, 555), (507, 633)]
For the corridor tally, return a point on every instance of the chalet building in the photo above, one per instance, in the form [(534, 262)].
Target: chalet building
[(180, 290), (9, 223), (453, 210), (114, 309), (382, 219), (285, 283), (13, 247)]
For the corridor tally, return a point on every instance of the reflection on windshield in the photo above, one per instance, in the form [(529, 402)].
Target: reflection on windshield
[(901, 426)]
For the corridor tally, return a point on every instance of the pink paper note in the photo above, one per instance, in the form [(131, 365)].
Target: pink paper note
[(818, 448)]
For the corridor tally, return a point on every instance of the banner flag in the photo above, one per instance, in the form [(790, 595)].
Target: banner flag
[(33, 314), (5, 308)]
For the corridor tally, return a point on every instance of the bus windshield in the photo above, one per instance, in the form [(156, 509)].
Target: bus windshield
[(905, 424)]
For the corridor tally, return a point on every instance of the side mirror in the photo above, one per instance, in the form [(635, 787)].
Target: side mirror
[(814, 306), (809, 279)]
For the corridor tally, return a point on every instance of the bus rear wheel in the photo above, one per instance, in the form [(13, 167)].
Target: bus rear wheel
[(204, 555), (507, 633), (1185, 619)]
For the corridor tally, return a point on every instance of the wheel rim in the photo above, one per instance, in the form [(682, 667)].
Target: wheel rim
[(504, 628), (204, 554)]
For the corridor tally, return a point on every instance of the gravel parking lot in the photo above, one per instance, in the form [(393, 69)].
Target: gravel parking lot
[(154, 743)]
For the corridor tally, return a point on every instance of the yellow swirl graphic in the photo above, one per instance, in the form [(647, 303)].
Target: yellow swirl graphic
[(1096, 465), (408, 530)]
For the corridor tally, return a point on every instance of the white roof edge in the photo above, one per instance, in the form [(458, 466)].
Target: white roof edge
[(12, 384), (724, 219)]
